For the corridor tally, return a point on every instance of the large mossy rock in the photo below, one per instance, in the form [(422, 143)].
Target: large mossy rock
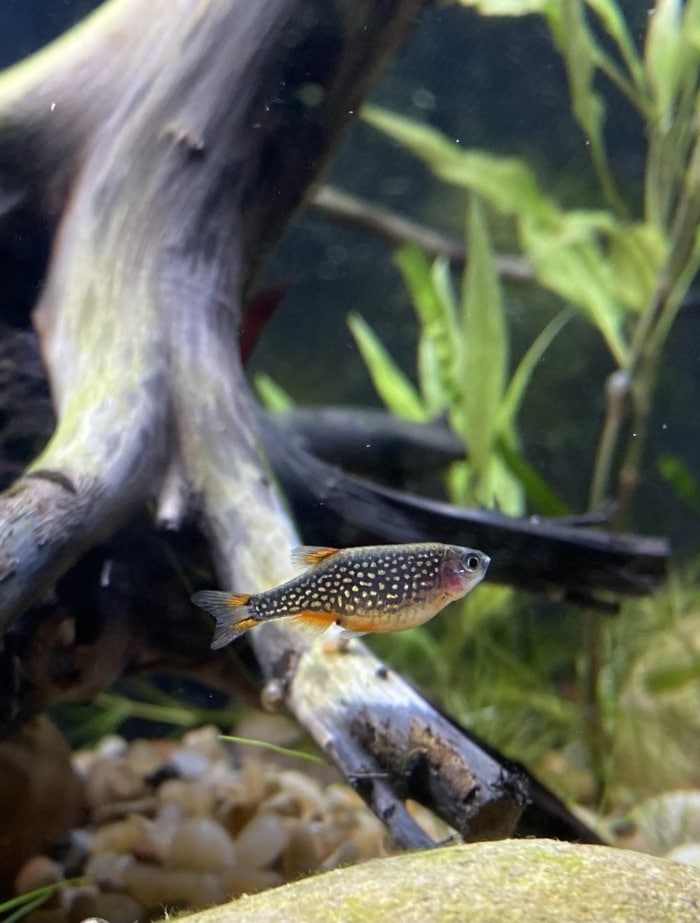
[(511, 880)]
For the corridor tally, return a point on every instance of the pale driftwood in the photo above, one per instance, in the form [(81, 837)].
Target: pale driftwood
[(172, 142)]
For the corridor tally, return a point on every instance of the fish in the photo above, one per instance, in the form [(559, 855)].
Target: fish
[(366, 589)]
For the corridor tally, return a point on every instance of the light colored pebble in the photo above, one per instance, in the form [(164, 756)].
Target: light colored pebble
[(144, 758), (107, 869), (369, 836), (46, 915), (345, 854), (122, 836), (301, 856), (82, 760), (687, 853), (111, 746), (213, 831), (233, 816), (191, 799), (307, 792), (36, 873), (262, 840), (189, 764), (79, 903), (327, 835), (200, 844), (244, 879), (272, 728), (152, 886), (106, 813), (206, 741), (118, 908), (285, 804), (110, 780)]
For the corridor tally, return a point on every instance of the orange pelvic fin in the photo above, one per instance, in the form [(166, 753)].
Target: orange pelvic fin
[(232, 614), (310, 555), (311, 621)]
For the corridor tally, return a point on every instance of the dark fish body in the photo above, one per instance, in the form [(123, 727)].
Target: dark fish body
[(377, 588)]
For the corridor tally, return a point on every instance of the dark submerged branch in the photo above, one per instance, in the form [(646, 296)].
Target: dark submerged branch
[(396, 230)]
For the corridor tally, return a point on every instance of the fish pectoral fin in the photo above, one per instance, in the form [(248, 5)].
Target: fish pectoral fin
[(232, 614), (310, 555)]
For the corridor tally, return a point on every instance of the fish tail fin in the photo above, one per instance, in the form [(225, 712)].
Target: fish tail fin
[(232, 613)]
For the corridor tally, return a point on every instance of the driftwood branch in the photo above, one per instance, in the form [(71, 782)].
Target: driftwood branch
[(171, 143), (540, 555)]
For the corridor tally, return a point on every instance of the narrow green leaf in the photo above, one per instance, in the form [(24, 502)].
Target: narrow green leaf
[(272, 396), (519, 382), (485, 341), (24, 904), (507, 7), (393, 387), (663, 55), (610, 15), (274, 748), (504, 489), (507, 183), (426, 142), (440, 342)]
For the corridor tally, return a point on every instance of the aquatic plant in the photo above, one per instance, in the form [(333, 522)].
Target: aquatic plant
[(627, 273)]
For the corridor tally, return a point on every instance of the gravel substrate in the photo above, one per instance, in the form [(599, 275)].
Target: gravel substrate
[(190, 823)]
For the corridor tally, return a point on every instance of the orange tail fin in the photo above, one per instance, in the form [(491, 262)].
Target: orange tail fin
[(232, 614)]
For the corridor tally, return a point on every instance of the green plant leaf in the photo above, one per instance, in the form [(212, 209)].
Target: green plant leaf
[(612, 20), (508, 7), (569, 260), (426, 142), (507, 183), (274, 748), (513, 398), (440, 339), (485, 359), (393, 387), (676, 473), (272, 396), (691, 23), (663, 56), (504, 488), (636, 255), (578, 48), (24, 904), (672, 678)]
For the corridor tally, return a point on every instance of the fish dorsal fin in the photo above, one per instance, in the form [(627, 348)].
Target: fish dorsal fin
[(311, 555)]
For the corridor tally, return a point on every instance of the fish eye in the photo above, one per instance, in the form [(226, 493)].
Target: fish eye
[(472, 562)]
